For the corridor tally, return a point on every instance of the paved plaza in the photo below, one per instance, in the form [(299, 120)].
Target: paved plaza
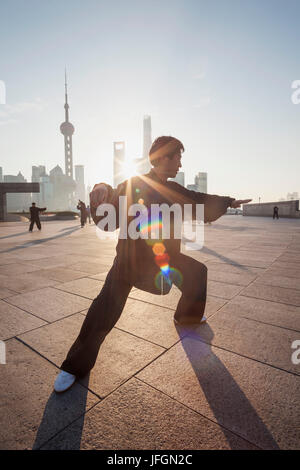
[(228, 384)]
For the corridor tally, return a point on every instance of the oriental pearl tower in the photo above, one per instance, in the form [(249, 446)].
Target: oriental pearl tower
[(67, 129)]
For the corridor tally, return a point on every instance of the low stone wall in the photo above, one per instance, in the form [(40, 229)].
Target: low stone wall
[(289, 209)]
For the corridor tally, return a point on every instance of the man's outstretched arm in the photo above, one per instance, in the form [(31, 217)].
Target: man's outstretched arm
[(214, 206), (103, 193)]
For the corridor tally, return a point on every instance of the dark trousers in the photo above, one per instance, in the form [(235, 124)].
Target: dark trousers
[(106, 309), (275, 215), (32, 222)]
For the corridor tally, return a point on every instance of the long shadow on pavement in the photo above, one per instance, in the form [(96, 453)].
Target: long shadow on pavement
[(227, 401), (60, 411), (14, 235), (40, 241)]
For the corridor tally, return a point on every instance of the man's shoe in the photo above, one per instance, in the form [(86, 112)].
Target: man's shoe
[(189, 322), (64, 381)]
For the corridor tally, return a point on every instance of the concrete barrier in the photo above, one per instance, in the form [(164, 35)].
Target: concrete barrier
[(288, 209)]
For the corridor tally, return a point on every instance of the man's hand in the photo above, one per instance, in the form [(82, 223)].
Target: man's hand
[(98, 195), (237, 202)]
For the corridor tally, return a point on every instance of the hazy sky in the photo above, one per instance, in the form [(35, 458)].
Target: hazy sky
[(217, 74)]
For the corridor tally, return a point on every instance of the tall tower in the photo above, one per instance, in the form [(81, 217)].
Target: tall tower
[(147, 142), (119, 160), (147, 136), (201, 182), (79, 178), (67, 129)]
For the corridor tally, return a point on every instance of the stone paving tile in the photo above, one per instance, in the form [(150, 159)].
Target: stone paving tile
[(121, 355), (281, 269), (130, 418), (273, 313), (85, 287), (240, 279), (6, 293), (289, 260), (275, 294), (171, 300), (256, 340), (100, 276), (55, 261), (270, 279), (91, 267), (31, 413), (149, 322), (223, 290), (60, 274), (14, 321), (6, 259), (24, 282), (49, 304), (256, 401), (234, 269), (16, 269)]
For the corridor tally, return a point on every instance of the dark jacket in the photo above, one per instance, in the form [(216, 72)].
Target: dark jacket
[(135, 257), (34, 212)]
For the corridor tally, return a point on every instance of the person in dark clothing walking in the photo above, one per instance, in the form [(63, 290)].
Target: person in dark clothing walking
[(150, 265), (88, 213), (35, 216), (275, 213), (82, 208)]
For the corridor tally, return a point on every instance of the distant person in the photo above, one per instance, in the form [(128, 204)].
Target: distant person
[(88, 213), (82, 208), (275, 213), (35, 216), (152, 268)]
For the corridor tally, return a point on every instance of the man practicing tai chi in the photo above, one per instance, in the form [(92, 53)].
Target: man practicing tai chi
[(35, 216), (149, 265)]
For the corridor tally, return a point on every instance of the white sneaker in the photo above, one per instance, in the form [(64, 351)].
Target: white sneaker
[(182, 323), (64, 381)]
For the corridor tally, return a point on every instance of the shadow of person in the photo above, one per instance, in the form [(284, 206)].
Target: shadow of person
[(61, 410), (39, 241), (226, 403)]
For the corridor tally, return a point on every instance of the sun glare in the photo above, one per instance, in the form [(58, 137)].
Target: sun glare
[(128, 168)]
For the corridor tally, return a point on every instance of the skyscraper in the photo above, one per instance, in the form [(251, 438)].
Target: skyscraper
[(201, 182), (144, 166), (79, 178), (119, 161), (147, 141), (67, 129)]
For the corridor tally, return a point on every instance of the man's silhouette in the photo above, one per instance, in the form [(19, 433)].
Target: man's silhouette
[(275, 213), (149, 266), (82, 208), (35, 216)]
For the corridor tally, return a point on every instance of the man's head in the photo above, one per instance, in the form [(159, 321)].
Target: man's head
[(165, 155), (33, 204)]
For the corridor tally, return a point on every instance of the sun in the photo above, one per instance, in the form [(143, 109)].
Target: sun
[(128, 168)]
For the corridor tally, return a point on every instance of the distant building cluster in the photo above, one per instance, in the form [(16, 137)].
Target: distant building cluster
[(59, 190), (200, 184), (290, 197)]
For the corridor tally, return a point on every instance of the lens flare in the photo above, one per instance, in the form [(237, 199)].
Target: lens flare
[(158, 248)]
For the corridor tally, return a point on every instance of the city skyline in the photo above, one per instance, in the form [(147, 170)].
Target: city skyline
[(220, 81)]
